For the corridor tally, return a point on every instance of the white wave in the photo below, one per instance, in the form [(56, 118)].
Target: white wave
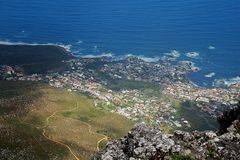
[(66, 47), (173, 53), (144, 58), (13, 43), (226, 82), (129, 55), (192, 54), (210, 75), (95, 49), (109, 55), (196, 69), (149, 59), (167, 58), (211, 47), (192, 65), (79, 42)]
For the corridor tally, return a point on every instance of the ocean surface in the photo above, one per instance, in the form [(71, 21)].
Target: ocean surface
[(149, 28)]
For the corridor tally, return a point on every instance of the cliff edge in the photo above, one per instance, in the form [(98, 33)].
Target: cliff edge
[(143, 143)]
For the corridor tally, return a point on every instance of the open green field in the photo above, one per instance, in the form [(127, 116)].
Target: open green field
[(56, 124), (147, 88), (198, 119), (188, 110)]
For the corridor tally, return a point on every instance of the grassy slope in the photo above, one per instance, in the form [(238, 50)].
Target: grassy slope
[(76, 122), (16, 136)]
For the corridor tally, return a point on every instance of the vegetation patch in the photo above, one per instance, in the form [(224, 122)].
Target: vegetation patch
[(120, 84), (181, 157)]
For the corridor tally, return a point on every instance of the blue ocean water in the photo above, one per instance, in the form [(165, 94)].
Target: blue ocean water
[(141, 27)]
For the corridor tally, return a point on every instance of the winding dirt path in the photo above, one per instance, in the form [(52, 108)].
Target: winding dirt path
[(61, 143), (94, 133), (44, 130), (90, 130), (55, 141), (103, 139)]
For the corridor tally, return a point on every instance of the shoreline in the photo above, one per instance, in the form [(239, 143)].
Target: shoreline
[(68, 51), (144, 87), (67, 48)]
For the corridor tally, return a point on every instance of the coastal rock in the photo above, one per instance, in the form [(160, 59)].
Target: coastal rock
[(210, 135), (146, 143)]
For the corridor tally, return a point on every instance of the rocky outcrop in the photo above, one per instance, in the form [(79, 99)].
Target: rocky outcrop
[(143, 143)]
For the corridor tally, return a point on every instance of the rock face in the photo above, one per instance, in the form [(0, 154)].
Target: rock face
[(143, 143)]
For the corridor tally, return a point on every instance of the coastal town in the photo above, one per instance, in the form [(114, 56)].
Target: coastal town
[(147, 92), (211, 100)]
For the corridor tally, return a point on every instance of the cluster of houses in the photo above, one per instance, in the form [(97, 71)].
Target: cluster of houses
[(83, 76), (211, 100)]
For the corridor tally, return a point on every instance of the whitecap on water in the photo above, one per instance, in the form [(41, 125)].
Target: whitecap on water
[(144, 58), (192, 54), (79, 42), (210, 75), (192, 65), (109, 55), (226, 82), (95, 49), (67, 47), (211, 47), (173, 53)]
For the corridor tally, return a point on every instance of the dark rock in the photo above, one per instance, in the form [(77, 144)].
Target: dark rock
[(146, 143)]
